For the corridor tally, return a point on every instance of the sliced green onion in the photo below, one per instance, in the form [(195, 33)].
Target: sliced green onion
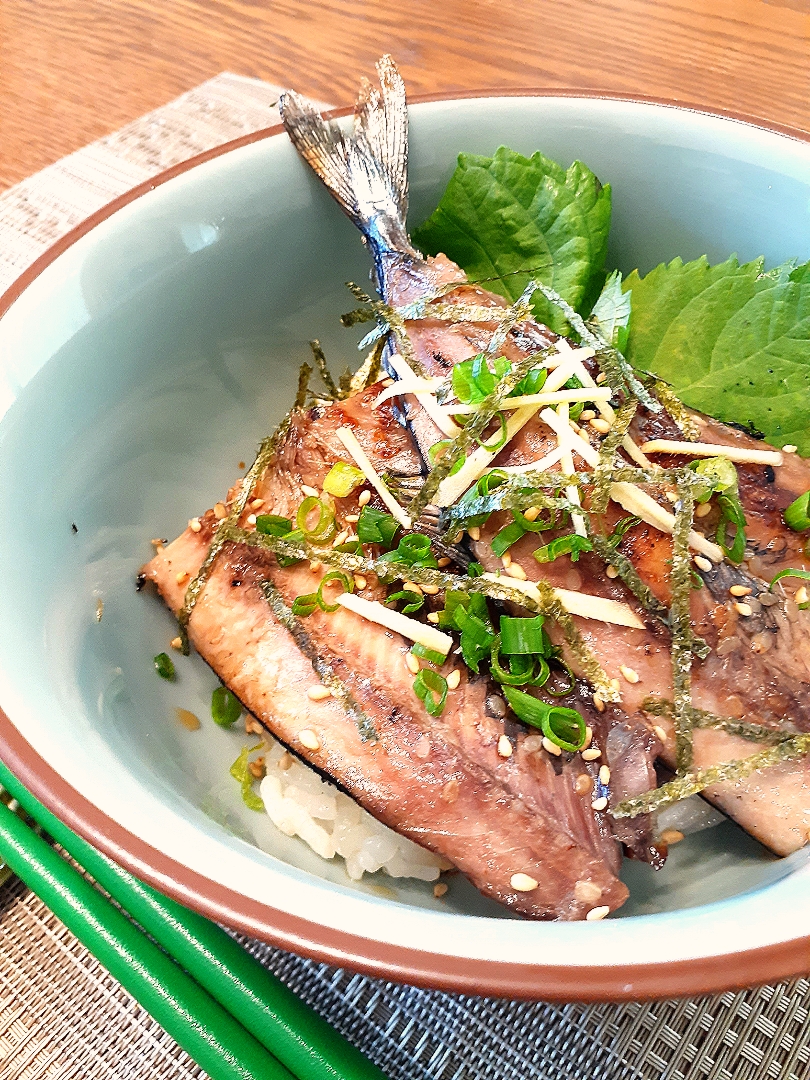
[(476, 637), (334, 575), (508, 535), (439, 449), (273, 525), (304, 605), (474, 570), (620, 528), (164, 666), (414, 600), (520, 671), (538, 525), (797, 515), (499, 441), (790, 572), (413, 550), (424, 653), (564, 727), (521, 636), (431, 688), (342, 479), (376, 527), (351, 547), (532, 383), (226, 707), (295, 537), (243, 776), (572, 545), (731, 513), (324, 529), (473, 379)]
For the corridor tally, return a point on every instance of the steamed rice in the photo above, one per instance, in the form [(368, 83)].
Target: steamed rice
[(300, 803)]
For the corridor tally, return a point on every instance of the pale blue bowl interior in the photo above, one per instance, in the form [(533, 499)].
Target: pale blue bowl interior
[(172, 345)]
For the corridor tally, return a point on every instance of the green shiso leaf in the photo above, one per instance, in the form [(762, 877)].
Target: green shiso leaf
[(733, 341), (513, 218), (611, 312)]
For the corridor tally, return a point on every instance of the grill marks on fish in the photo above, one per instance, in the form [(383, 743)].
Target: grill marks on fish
[(439, 781)]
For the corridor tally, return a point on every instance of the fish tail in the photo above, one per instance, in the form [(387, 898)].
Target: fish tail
[(365, 170)]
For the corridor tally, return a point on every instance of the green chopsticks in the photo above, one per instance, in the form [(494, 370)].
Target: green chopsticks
[(236, 1020)]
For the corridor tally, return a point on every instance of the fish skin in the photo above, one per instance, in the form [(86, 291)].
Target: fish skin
[(499, 816)]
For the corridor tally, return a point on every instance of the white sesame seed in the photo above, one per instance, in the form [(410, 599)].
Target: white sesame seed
[(588, 892), (285, 761), (453, 679), (671, 836), (588, 737), (474, 532), (703, 563), (309, 739), (740, 590), (444, 561), (412, 663), (532, 513), (352, 519), (310, 492), (411, 586), (318, 692), (801, 595), (582, 785), (671, 496), (182, 577), (220, 511), (604, 774), (430, 590), (586, 415), (176, 643), (315, 566), (615, 686), (743, 609), (433, 617), (601, 377), (612, 572), (532, 743), (364, 497), (551, 747), (251, 519), (660, 734), (600, 424), (516, 571), (195, 525), (591, 754), (790, 448), (257, 504), (599, 804), (599, 703), (597, 913), (506, 560), (703, 510), (360, 582), (523, 883), (629, 674), (439, 890), (341, 538), (504, 747)]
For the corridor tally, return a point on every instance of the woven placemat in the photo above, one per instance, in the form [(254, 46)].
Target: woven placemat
[(61, 1015)]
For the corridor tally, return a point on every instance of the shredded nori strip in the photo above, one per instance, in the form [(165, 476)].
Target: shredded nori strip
[(675, 409), (618, 371), (304, 373), (324, 670), (323, 369), (695, 780), (389, 321), (680, 621), (701, 718), (391, 571)]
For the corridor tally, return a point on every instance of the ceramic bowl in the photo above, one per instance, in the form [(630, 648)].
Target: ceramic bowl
[(141, 361)]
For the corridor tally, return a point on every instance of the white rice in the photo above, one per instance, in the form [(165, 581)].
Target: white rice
[(300, 803)]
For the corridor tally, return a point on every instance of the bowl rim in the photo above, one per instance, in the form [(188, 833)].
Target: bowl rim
[(625, 982)]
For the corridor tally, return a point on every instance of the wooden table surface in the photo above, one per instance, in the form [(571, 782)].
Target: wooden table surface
[(73, 70)]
